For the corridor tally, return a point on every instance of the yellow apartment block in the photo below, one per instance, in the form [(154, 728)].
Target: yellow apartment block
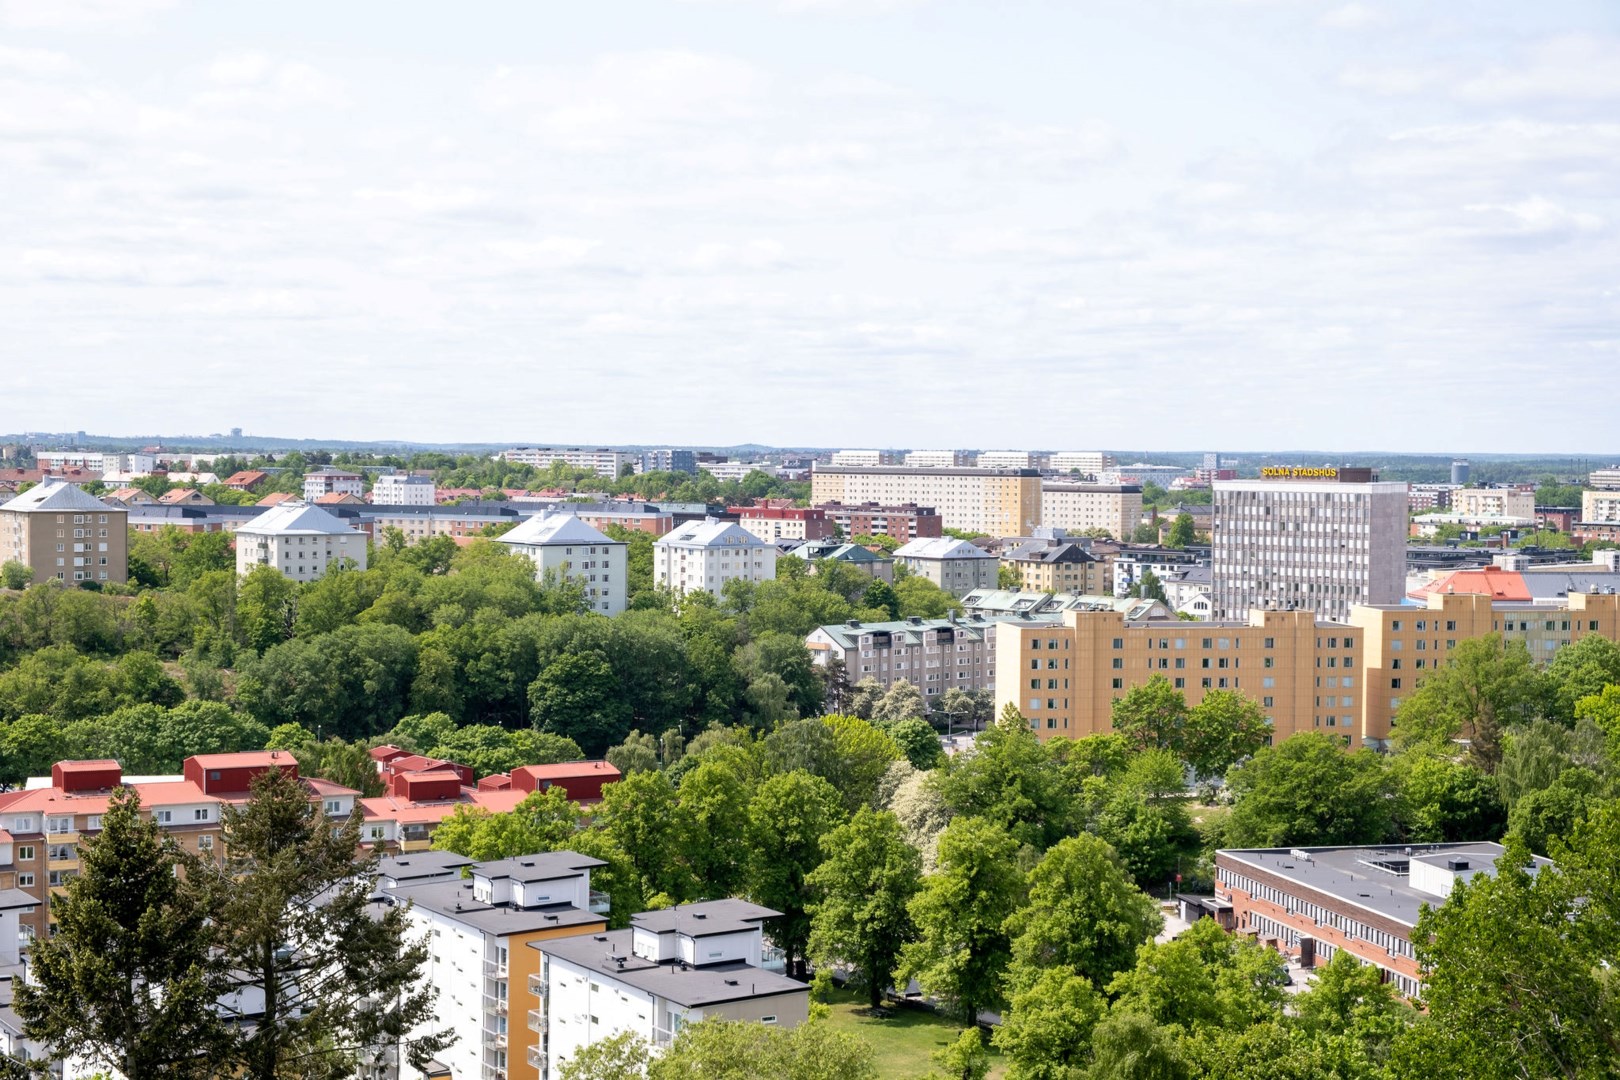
[(1344, 679), (1001, 502)]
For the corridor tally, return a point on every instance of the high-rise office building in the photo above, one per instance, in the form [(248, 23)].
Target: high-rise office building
[(1310, 539)]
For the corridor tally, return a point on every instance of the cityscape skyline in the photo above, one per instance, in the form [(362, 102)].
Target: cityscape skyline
[(1314, 221)]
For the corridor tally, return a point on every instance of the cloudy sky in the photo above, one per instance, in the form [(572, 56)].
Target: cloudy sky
[(1060, 224)]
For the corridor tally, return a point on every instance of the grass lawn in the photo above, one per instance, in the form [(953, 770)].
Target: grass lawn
[(905, 1041)]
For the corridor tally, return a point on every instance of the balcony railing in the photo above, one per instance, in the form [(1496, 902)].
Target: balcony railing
[(494, 1040), (662, 1037), (69, 837), (422, 844), (537, 1020), (598, 902), (494, 969), (537, 985), (495, 1006), (70, 863), (537, 1058)]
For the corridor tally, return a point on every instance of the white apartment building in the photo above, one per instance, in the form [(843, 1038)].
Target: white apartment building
[(934, 655), (1011, 459), (706, 554), (134, 465), (300, 540), (954, 565), (864, 457), (1309, 539), (1000, 502), (1074, 507), (561, 542), (668, 969), (478, 929), (1084, 462), (1600, 506), (1605, 479), (736, 470), (930, 459), (404, 489), (333, 482), (602, 461), (1493, 502)]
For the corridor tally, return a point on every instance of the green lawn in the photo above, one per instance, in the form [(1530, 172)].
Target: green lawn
[(905, 1041)]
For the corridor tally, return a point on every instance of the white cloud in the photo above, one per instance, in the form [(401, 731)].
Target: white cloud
[(1354, 17), (1572, 68), (78, 14)]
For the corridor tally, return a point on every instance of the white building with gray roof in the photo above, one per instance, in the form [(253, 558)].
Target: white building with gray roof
[(706, 554), (300, 540), (562, 543), (956, 566)]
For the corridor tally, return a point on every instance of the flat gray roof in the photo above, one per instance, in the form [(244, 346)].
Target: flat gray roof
[(454, 898), (545, 866), (691, 986), (1370, 878), (421, 866), (704, 919)]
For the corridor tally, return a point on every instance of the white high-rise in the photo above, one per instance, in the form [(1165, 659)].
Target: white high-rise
[(706, 554), (300, 540), (1309, 539), (562, 542)]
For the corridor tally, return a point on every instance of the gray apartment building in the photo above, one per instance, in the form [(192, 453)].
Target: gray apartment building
[(1311, 539)]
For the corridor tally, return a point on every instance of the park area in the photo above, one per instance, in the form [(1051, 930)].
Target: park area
[(903, 1038)]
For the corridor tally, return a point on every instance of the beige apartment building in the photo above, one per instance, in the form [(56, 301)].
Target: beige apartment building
[(1600, 506), (1115, 508), (1058, 567), (60, 531), (1493, 502), (1000, 502), (1344, 679)]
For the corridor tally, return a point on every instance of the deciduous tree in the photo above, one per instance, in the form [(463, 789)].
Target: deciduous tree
[(866, 880)]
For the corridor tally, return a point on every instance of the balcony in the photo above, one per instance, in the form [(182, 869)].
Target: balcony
[(494, 1006), (494, 969), (537, 1058), (493, 1072), (61, 838), (494, 1040), (537, 1020), (423, 844), (598, 903), (662, 1037), (537, 985), (71, 863)]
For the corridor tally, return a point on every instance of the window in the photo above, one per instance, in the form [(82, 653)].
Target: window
[(25, 881), (25, 852), (1119, 662), (164, 817), (205, 843), (1119, 643), (1119, 684), (1394, 684), (1270, 643), (200, 814), (1181, 684), (334, 806)]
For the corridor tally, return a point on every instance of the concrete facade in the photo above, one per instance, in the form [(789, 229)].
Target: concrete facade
[(1000, 502), (62, 533)]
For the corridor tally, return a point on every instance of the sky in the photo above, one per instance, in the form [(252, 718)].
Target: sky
[(1180, 224)]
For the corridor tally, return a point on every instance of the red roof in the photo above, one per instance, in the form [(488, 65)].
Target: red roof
[(385, 753), (1490, 581), (275, 498), (566, 769), (245, 478), (407, 812)]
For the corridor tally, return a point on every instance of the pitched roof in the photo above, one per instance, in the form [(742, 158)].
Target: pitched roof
[(295, 518), (947, 547), (58, 495), (713, 533), (556, 528), (276, 498)]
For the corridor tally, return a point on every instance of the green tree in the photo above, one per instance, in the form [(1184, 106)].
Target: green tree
[(1183, 532), (638, 753), (1010, 778), (880, 596), (578, 696), (866, 880), (1153, 715), (963, 946), (744, 1050), (624, 1055), (1223, 729), (1129, 1046), (335, 977), (1349, 998), (1150, 587), (1484, 686), (966, 1058), (714, 798), (1308, 791), (266, 608), (1008, 577), (902, 701), (918, 741), (128, 979), (1441, 800), (645, 818), (787, 817), (1047, 1028), (1083, 915), (15, 575), (862, 753), (1578, 671), (1204, 978)]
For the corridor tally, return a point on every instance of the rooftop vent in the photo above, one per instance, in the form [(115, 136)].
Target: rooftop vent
[(601, 937), (699, 915), (732, 982), (1455, 865)]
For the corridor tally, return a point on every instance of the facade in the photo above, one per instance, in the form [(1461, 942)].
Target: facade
[(1343, 679), (771, 522), (868, 458), (565, 544), (1312, 902), (403, 489), (707, 554), (1312, 539), (904, 523), (1056, 566), (601, 461), (1459, 472), (1011, 459), (667, 461), (1114, 508), (934, 655), (1084, 462), (1600, 507), (1603, 479), (61, 532), (1044, 606), (332, 482), (1494, 502), (1129, 563), (1000, 502), (479, 929), (246, 479), (736, 470), (300, 540), (930, 459), (45, 821), (863, 559), (1187, 591), (668, 969), (956, 566)]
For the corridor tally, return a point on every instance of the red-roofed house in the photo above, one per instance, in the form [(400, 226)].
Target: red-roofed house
[(583, 780), (275, 498), (47, 818), (184, 497), (246, 480)]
